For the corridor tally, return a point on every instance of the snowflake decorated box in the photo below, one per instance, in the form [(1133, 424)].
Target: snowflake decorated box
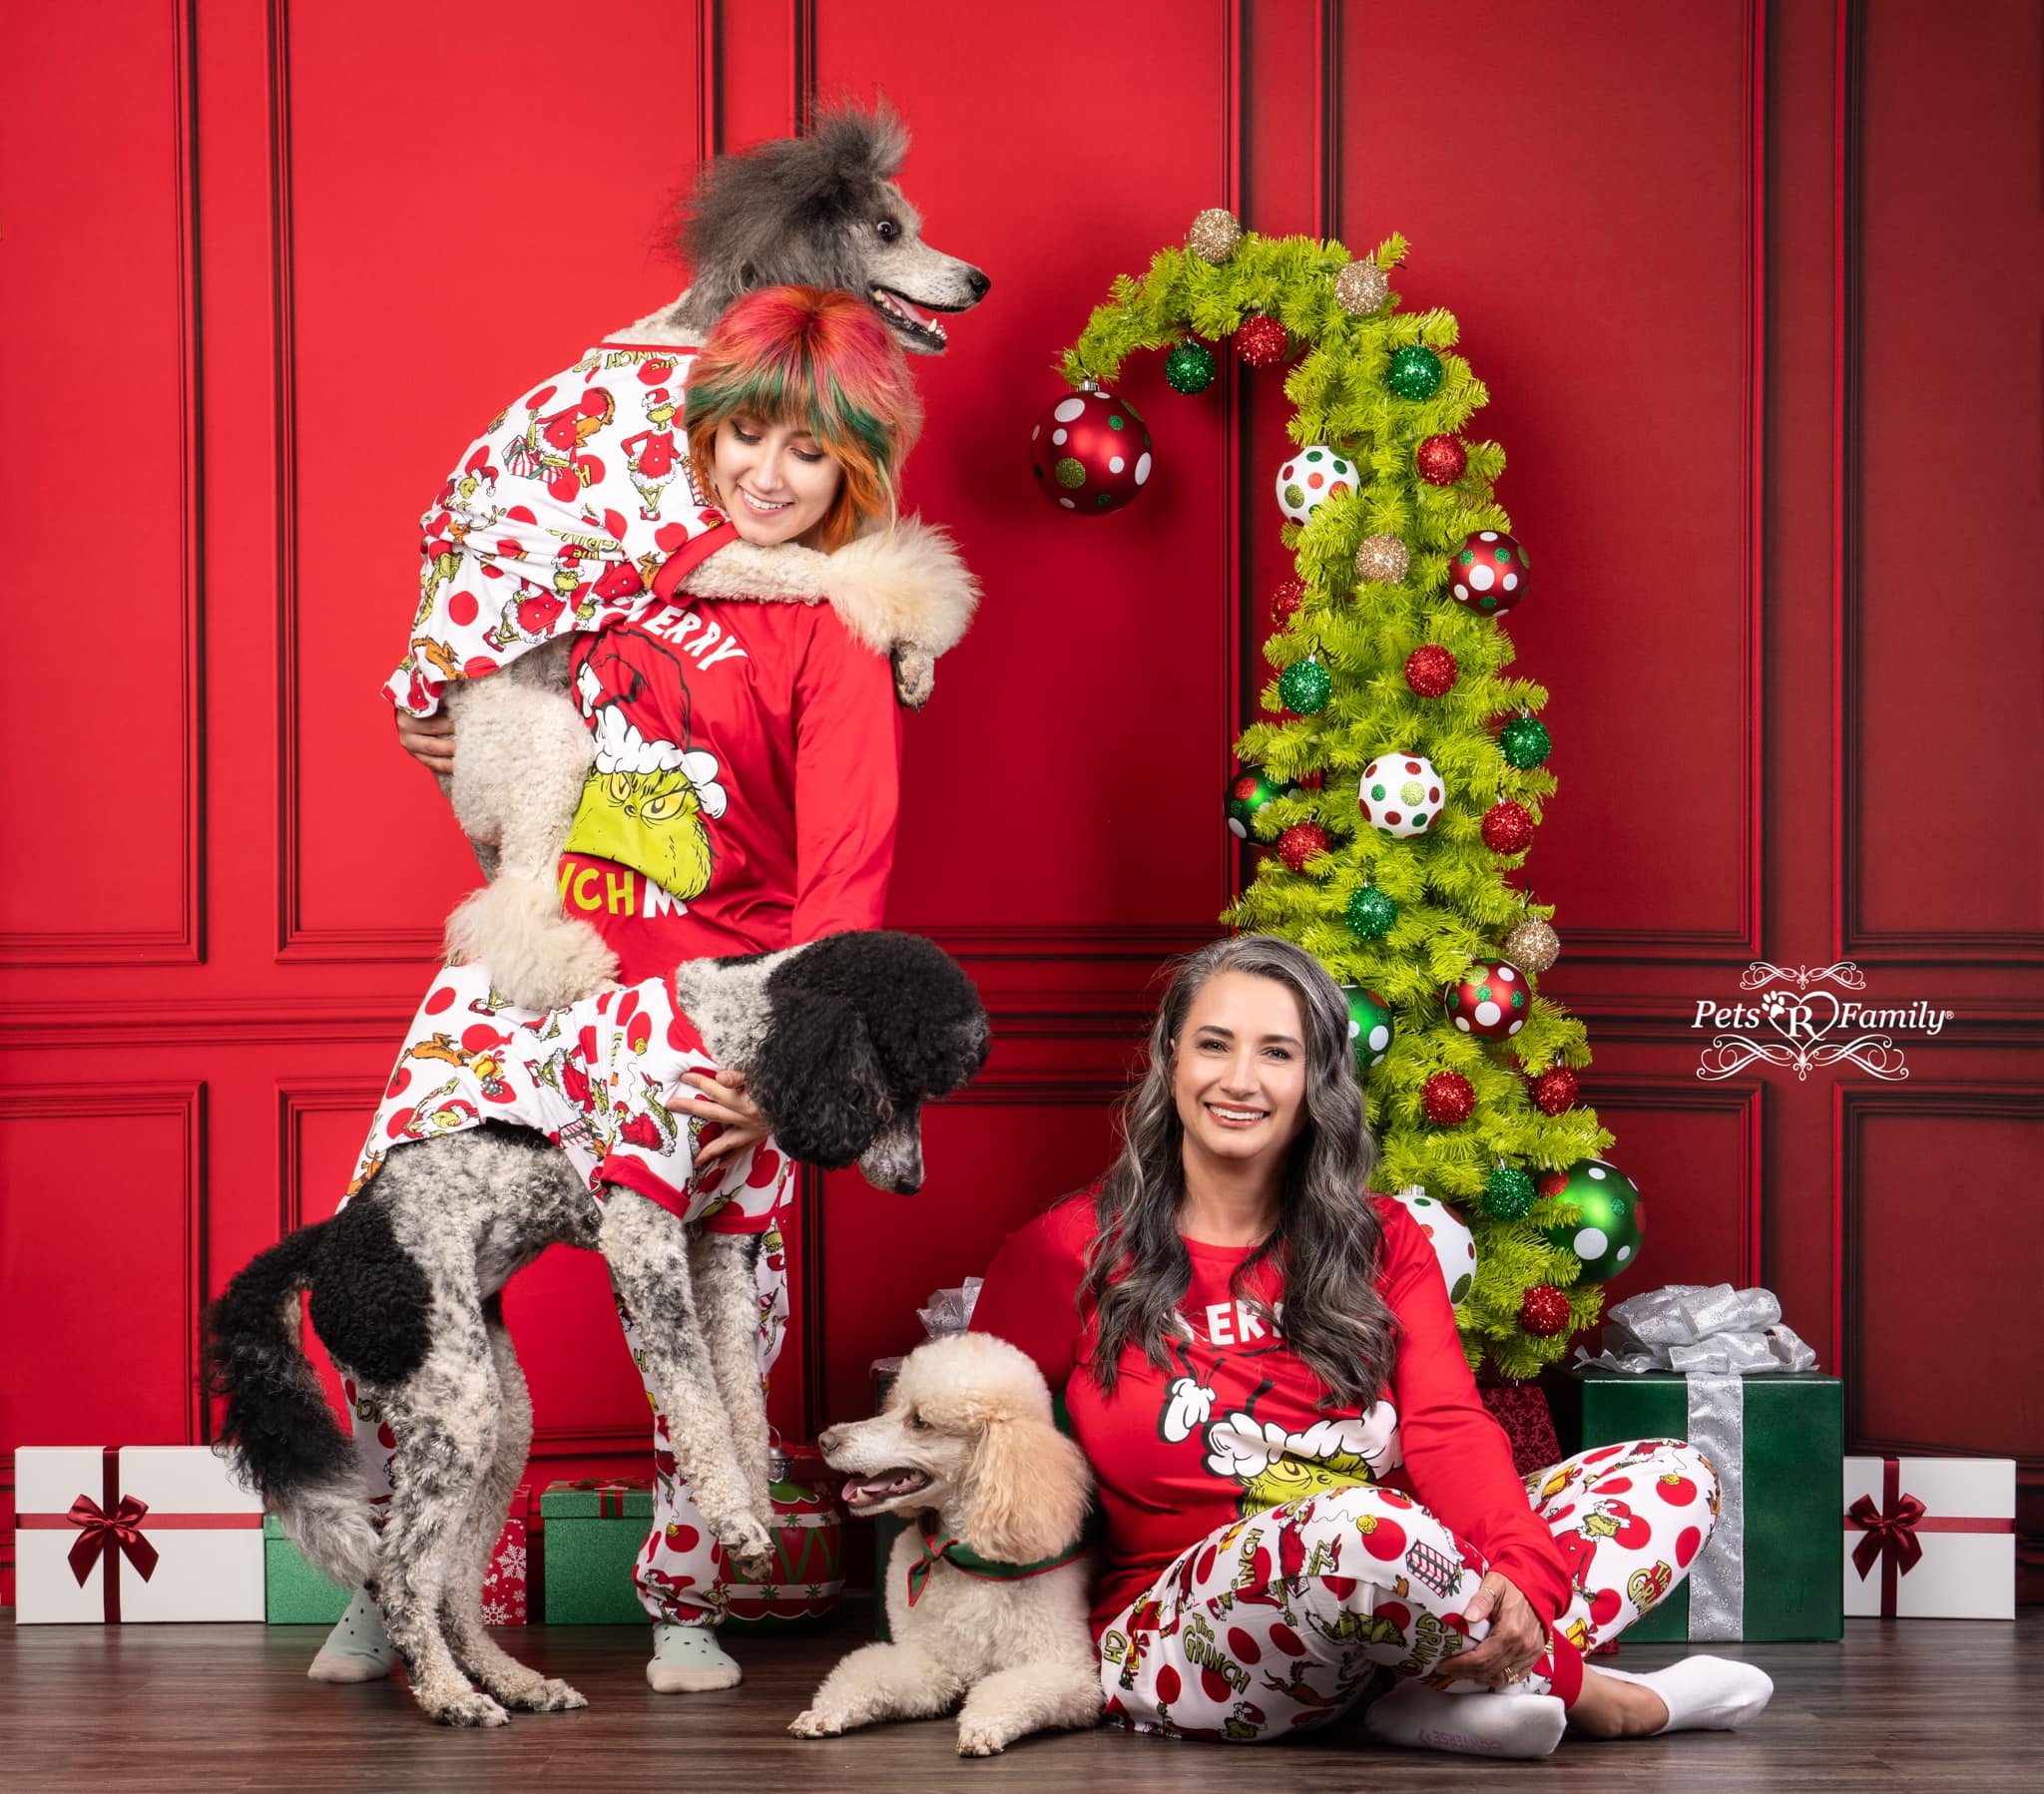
[(115, 1534), (295, 1593), (1930, 1537), (594, 1531)]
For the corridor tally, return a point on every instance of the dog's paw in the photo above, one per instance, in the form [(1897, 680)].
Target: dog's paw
[(978, 1738), (915, 674), (813, 1724), (472, 1708), (551, 1695), (750, 1547)]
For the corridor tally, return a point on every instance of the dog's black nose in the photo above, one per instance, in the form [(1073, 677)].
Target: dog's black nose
[(826, 1441), (906, 1186), (979, 282)]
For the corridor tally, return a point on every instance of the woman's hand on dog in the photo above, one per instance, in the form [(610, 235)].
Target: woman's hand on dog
[(429, 740), (1516, 1636), (722, 1100)]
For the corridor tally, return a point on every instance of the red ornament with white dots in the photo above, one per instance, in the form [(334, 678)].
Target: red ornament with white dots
[(1299, 843), (1260, 341), (1492, 1001), (1488, 573), (1447, 1099), (1553, 1090), (1090, 453), (1508, 827), (1431, 670), (1544, 1312), (1441, 460)]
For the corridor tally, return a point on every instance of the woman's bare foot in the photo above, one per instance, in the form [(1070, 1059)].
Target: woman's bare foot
[(1610, 1708)]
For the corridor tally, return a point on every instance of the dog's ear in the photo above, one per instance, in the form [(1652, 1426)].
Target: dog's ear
[(817, 1077), (1029, 1489)]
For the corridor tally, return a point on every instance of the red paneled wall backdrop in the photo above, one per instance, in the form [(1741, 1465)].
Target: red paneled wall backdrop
[(1754, 288)]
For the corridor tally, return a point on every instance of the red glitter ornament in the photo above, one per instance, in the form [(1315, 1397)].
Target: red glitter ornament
[(1447, 1099), (1553, 1090), (1508, 827), (1441, 460), (1299, 843), (1285, 602), (1431, 670), (1260, 341), (1545, 1311)]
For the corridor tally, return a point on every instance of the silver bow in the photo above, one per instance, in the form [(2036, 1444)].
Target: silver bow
[(950, 1310), (1696, 1329)]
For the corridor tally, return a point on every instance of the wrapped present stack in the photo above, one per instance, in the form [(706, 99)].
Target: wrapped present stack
[(1716, 1365), (116, 1534), (1930, 1537)]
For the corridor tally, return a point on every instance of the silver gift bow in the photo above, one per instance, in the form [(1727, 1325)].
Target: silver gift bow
[(950, 1310)]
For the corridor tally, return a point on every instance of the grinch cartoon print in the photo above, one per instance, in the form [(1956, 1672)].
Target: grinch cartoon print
[(648, 800)]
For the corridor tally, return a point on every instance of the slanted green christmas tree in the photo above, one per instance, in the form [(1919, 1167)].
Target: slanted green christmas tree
[(1400, 777)]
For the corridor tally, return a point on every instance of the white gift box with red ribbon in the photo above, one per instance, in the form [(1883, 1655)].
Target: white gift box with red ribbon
[(1930, 1537), (115, 1534)]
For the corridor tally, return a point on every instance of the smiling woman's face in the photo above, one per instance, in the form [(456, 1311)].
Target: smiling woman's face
[(774, 482), (1238, 1067)]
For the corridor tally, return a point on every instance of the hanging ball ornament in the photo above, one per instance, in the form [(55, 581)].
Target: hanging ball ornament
[(1447, 1099), (1545, 1311), (1371, 913), (1215, 235), (1553, 1090), (1090, 452), (1260, 341), (1309, 478), (1492, 1001), (1299, 843), (1441, 460), (1525, 743), (1488, 573), (1508, 827), (1606, 1234), (1285, 602), (1382, 559), (1431, 670), (1532, 945), (1304, 687), (1414, 373), (1400, 794), (1361, 287), (1454, 1246), (1247, 792), (1508, 1197), (1369, 1026), (1189, 367)]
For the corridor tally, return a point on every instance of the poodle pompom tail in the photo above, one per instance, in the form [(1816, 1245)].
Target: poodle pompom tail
[(907, 586), (538, 958)]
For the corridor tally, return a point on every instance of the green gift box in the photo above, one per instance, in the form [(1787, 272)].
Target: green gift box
[(594, 1531), (1777, 1441)]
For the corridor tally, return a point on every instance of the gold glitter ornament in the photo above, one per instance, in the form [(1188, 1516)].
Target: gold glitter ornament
[(1382, 559), (1532, 946), (1214, 235), (1361, 287)]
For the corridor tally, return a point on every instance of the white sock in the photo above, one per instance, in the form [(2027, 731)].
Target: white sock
[(1706, 1694), (1482, 1725), (356, 1651), (687, 1659)]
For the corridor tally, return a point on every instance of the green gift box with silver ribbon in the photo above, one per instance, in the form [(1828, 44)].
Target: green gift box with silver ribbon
[(1714, 1366)]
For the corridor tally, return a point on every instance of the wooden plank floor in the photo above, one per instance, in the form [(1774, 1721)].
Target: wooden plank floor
[(1951, 1705)]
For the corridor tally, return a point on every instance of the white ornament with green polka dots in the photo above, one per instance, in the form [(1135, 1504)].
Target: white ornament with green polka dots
[(1453, 1244), (1310, 477)]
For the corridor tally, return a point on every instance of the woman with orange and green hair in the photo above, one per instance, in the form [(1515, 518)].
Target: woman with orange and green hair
[(722, 775)]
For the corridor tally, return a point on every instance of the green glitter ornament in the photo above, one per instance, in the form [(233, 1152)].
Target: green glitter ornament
[(1188, 367), (1369, 1026), (1372, 913), (1416, 372), (1508, 1197), (1525, 743), (1606, 1233), (1305, 686)]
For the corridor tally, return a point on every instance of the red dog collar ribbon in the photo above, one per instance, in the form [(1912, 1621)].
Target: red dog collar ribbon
[(110, 1529), (1891, 1530)]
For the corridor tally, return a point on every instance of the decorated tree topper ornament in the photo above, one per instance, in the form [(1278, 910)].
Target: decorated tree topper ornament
[(1090, 452), (1247, 792), (1447, 1099), (1214, 235), (1383, 559), (1414, 373), (1431, 670), (1189, 367), (1300, 844), (1508, 1197), (1371, 913), (1369, 1026), (1532, 945), (1441, 460), (1544, 1312), (1305, 686), (1525, 743), (1491, 1001), (1508, 827), (1361, 287), (1606, 1236), (1260, 342), (1400, 794), (1488, 573), (1454, 1246), (1311, 476)]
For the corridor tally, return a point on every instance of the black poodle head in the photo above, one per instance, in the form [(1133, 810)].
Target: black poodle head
[(864, 1028)]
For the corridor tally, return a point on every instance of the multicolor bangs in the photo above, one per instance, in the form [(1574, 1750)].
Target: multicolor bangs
[(813, 360)]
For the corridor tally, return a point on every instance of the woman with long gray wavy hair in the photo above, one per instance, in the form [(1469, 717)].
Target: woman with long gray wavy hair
[(1300, 1487)]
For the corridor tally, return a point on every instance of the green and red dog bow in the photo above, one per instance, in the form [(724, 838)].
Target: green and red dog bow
[(939, 1547)]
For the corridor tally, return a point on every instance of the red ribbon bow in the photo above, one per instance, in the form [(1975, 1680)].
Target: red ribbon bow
[(1891, 1529), (109, 1532)]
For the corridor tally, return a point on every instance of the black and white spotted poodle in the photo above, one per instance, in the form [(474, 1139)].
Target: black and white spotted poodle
[(840, 1041)]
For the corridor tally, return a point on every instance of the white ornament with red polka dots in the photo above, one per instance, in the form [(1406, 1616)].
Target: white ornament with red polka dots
[(1453, 1244), (1401, 794), (1310, 477)]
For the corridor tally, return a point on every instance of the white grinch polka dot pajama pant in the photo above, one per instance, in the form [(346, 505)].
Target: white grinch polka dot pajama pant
[(1279, 1621)]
